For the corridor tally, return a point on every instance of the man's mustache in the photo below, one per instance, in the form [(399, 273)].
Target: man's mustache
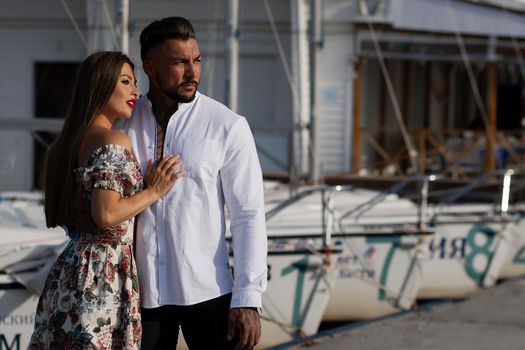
[(195, 82)]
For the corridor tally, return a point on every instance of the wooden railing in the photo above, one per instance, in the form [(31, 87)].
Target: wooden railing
[(456, 152)]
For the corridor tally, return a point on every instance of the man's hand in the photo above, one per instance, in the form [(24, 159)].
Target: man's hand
[(244, 321)]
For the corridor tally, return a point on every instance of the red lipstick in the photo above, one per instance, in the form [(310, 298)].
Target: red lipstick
[(131, 103)]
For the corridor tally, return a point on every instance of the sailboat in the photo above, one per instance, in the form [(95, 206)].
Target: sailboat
[(396, 250), (300, 280), (475, 244), (324, 263), (27, 251), (302, 272), (378, 271)]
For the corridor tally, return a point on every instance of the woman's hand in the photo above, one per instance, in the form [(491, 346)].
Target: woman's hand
[(109, 207), (161, 178)]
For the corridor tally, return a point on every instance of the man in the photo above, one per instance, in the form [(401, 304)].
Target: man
[(181, 252)]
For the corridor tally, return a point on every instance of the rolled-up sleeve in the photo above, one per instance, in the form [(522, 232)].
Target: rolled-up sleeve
[(242, 186)]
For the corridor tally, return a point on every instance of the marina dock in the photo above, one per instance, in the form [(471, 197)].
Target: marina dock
[(492, 318)]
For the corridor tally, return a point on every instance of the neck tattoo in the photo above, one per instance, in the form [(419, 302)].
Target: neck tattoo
[(162, 110)]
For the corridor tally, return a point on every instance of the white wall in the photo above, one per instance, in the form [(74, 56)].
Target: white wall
[(30, 31), (34, 30), (335, 103), (335, 87)]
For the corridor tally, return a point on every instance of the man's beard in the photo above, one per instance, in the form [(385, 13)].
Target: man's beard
[(184, 99)]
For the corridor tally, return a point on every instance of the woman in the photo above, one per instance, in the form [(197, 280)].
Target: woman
[(94, 184)]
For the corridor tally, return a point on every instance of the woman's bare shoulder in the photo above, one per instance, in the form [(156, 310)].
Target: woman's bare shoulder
[(96, 140), (112, 137)]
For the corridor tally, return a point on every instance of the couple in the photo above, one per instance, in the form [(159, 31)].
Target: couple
[(98, 180)]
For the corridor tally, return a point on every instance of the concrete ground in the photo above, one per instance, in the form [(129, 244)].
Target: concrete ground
[(493, 318)]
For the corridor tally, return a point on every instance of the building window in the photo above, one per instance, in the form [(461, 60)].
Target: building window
[(53, 85)]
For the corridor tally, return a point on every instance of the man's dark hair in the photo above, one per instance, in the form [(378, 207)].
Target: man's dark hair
[(159, 31)]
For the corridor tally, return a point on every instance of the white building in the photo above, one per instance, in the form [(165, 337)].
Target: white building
[(299, 61)]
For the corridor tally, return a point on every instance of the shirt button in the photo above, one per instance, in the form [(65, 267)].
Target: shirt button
[(162, 262)]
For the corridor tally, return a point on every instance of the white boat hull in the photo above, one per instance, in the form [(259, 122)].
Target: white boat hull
[(299, 289), (514, 265), (377, 276), (17, 315), (463, 258), (378, 273)]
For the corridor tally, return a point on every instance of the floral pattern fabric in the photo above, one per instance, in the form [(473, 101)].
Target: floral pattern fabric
[(91, 296)]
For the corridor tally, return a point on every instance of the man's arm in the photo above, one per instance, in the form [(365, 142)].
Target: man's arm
[(242, 186)]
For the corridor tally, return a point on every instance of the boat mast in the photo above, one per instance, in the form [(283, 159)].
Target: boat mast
[(301, 78), (315, 48), (124, 26), (232, 44)]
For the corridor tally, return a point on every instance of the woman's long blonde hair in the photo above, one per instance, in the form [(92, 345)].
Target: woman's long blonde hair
[(95, 82)]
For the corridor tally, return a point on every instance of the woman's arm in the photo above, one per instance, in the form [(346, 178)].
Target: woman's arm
[(109, 208)]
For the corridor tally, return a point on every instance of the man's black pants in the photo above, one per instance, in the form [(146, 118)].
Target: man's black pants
[(203, 325)]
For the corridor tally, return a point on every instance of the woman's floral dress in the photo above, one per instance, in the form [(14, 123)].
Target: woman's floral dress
[(91, 296)]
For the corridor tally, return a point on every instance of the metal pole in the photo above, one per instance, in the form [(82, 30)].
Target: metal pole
[(315, 48), (232, 45), (505, 193), (423, 204), (300, 71), (356, 117), (124, 26), (327, 203)]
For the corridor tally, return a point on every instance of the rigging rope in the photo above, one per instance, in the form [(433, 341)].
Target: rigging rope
[(211, 45), (282, 55), (72, 19), (111, 27), (516, 46), (491, 134), (470, 73), (298, 125), (390, 87)]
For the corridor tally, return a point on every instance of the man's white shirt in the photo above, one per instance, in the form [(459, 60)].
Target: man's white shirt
[(181, 251)]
